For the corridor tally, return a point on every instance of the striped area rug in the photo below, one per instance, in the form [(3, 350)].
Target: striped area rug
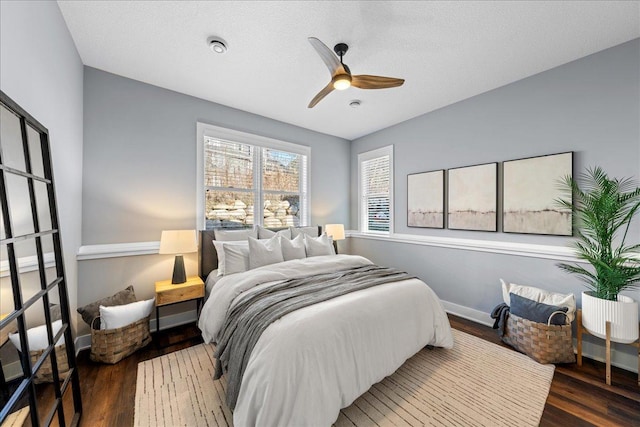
[(477, 383)]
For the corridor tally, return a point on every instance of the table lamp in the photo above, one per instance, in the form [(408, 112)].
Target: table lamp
[(336, 232), (178, 242)]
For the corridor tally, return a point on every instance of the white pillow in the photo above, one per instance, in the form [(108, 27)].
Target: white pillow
[(38, 337), (539, 295), (264, 252), (309, 231), (118, 316), (234, 235), (293, 249), (264, 233), (236, 258), (221, 253), (318, 246)]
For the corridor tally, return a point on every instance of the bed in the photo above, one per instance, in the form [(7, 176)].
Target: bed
[(312, 362)]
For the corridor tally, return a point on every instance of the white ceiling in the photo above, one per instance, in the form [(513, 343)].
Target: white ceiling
[(446, 51)]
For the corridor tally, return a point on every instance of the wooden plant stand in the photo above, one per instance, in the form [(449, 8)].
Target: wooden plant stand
[(582, 330)]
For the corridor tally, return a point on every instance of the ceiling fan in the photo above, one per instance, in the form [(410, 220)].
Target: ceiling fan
[(341, 77)]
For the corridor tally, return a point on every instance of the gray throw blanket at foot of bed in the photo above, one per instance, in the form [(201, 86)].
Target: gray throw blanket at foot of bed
[(252, 314)]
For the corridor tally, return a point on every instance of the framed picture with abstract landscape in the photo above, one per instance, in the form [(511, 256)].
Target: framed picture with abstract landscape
[(473, 198), (530, 190), (425, 199)]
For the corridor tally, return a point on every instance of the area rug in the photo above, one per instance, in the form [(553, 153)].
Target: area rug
[(476, 383)]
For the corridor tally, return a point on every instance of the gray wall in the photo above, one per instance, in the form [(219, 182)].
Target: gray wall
[(589, 106), (140, 173), (41, 70), (140, 159)]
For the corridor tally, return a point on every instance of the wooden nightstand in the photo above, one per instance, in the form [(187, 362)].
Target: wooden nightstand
[(168, 294)]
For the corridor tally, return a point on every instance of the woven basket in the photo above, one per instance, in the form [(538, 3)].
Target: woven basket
[(45, 373), (544, 343), (113, 345)]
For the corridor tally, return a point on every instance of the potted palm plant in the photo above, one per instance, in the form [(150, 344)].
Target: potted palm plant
[(602, 209)]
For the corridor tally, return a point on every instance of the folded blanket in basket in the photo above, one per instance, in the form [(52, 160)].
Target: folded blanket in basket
[(500, 313)]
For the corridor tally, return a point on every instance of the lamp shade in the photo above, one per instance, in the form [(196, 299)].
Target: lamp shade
[(178, 242), (336, 231)]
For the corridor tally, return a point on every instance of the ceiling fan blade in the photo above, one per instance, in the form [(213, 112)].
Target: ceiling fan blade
[(324, 92), (328, 57), (375, 82)]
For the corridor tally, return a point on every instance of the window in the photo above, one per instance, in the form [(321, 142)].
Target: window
[(375, 190), (248, 179)]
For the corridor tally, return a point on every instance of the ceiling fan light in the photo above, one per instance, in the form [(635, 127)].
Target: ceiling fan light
[(342, 82)]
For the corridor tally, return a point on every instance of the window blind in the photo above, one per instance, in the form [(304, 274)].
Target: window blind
[(229, 164), (375, 192), (247, 184)]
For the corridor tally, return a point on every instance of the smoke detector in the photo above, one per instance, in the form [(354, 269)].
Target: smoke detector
[(217, 45)]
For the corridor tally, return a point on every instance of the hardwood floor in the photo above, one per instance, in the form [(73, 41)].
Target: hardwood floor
[(578, 396)]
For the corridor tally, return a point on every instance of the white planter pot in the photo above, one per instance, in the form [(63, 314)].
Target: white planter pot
[(623, 315)]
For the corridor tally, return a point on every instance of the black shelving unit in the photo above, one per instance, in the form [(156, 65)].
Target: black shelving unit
[(30, 245)]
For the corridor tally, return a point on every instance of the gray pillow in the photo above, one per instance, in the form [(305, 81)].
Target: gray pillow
[(294, 248), (318, 246), (236, 258), (265, 233), (91, 311), (309, 231), (536, 311), (264, 252), (234, 235)]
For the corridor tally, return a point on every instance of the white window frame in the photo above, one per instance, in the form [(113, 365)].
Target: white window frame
[(206, 130), (362, 211)]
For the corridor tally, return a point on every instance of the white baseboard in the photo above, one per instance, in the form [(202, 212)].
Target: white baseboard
[(591, 350), (83, 342), (468, 313)]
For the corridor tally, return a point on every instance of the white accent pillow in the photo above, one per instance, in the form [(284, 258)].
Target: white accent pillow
[(264, 252), (221, 253), (234, 235), (38, 337), (318, 246), (236, 258), (118, 316), (539, 295), (264, 233), (293, 249), (309, 231)]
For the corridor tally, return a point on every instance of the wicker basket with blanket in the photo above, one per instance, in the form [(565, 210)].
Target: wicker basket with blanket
[(113, 345), (543, 342), (45, 373)]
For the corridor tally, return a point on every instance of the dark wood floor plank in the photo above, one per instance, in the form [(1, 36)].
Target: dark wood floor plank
[(578, 395)]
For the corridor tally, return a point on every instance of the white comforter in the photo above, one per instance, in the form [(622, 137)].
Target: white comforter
[(319, 359)]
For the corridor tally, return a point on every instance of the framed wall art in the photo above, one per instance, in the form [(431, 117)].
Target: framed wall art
[(531, 188), (425, 199), (473, 198)]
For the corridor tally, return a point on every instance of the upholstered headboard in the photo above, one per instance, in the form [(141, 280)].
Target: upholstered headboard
[(209, 257)]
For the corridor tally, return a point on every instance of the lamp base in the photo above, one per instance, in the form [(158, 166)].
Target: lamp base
[(179, 275)]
